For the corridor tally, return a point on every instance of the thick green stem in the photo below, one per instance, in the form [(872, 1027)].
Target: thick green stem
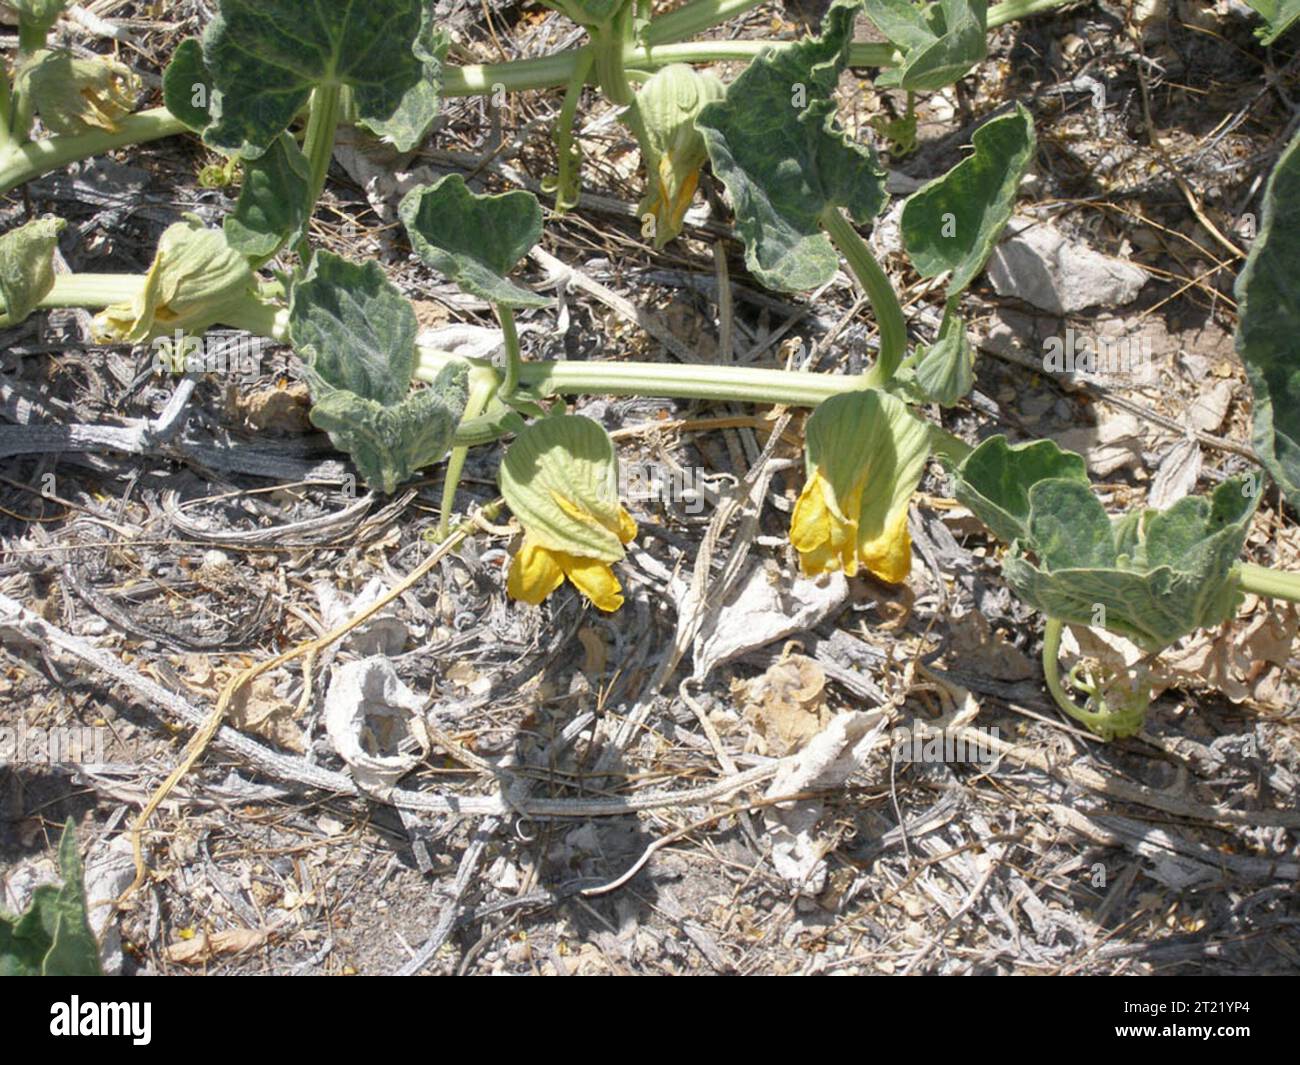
[(318, 143), (884, 301), (695, 18), (1276, 584), (19, 164), (7, 143)]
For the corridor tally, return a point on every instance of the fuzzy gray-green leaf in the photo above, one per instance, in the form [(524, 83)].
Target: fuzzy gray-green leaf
[(1178, 578), (954, 222), (1268, 330), (354, 329), (407, 127), (474, 239), (994, 481), (390, 443), (775, 144)]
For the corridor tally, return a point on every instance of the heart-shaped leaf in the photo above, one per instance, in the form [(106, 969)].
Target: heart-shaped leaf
[(1268, 294), (474, 239), (954, 222), (994, 481), (940, 44), (267, 56), (354, 329), (27, 267), (775, 144)]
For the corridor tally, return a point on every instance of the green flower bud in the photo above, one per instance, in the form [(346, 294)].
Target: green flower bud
[(27, 267), (663, 118)]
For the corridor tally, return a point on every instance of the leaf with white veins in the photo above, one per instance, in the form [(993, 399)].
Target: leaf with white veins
[(475, 240), (389, 444), (266, 57), (354, 329)]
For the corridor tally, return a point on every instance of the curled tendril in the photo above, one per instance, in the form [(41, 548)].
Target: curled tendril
[(1111, 710)]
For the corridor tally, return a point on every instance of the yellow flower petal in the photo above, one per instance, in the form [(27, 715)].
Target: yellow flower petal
[(626, 526), (535, 572), (825, 540), (889, 555), (595, 580)]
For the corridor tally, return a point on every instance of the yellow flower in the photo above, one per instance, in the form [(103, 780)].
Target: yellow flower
[(537, 571), (560, 477), (866, 454)]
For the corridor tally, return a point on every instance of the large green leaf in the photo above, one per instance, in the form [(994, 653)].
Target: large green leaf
[(27, 267), (1278, 16), (940, 42), (266, 57), (275, 202), (474, 239), (354, 329), (774, 142), (1268, 330), (994, 481), (52, 937), (414, 117), (390, 443), (954, 222)]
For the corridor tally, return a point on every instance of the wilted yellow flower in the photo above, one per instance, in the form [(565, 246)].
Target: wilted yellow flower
[(560, 477), (196, 277), (78, 95), (866, 453)]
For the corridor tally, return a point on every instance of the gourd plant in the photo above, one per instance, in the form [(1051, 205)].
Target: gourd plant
[(801, 190), (347, 48)]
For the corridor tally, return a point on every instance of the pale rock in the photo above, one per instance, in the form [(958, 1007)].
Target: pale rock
[(1039, 264)]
